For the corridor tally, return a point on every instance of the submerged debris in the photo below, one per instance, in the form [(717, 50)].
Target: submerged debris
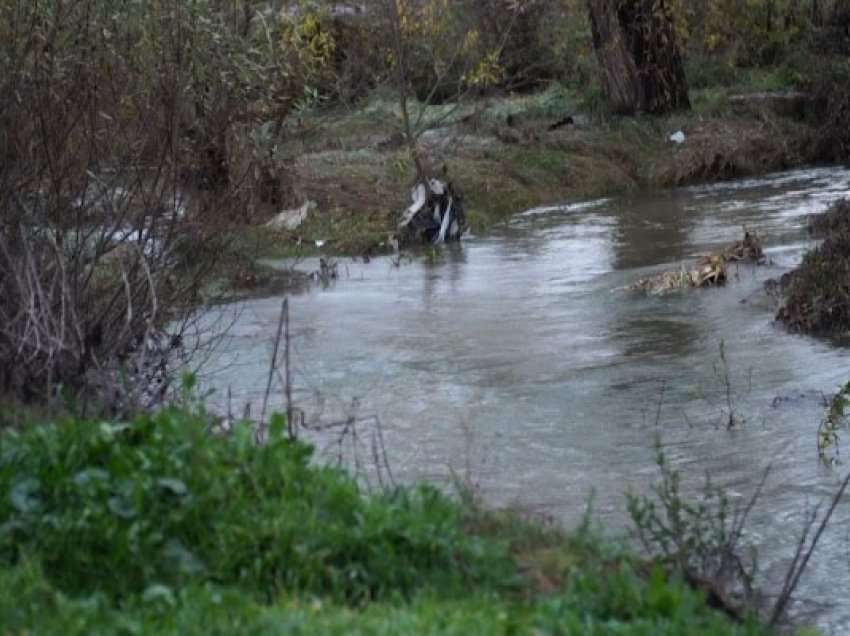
[(708, 271), (748, 249), (435, 214), (328, 271), (817, 293)]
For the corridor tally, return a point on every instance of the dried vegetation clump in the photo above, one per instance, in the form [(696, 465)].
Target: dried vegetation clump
[(731, 148), (710, 270), (831, 222), (125, 159)]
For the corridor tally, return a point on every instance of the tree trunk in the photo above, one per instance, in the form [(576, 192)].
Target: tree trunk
[(635, 43)]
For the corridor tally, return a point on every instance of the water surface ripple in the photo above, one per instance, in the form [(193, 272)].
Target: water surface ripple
[(518, 357)]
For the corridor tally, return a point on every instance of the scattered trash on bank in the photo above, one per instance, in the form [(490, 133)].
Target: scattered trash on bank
[(434, 215), (291, 219), (678, 137)]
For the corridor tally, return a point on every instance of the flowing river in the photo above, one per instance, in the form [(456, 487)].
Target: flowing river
[(517, 361)]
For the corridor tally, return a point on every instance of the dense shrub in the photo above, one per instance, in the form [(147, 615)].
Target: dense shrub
[(830, 90), (742, 33), (130, 141), (116, 508), (536, 40), (159, 526)]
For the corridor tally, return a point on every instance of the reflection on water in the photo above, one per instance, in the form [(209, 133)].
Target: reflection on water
[(523, 342)]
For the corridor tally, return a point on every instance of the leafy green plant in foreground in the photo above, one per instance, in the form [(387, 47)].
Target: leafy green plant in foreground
[(833, 422), (115, 508), (702, 539), (157, 526)]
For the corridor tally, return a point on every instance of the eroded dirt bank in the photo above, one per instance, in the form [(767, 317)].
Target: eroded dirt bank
[(515, 153)]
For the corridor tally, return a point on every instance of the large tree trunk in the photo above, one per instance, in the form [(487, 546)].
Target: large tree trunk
[(635, 43)]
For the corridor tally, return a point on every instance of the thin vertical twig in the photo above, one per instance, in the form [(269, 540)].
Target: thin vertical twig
[(377, 461), (384, 456), (803, 554), (284, 311), (229, 408), (290, 425), (401, 80)]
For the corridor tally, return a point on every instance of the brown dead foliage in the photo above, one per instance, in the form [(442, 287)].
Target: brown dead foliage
[(710, 270), (725, 149), (817, 293)]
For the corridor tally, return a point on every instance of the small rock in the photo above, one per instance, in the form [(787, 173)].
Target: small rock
[(291, 219)]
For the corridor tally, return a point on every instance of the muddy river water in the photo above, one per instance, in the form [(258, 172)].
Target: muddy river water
[(518, 360)]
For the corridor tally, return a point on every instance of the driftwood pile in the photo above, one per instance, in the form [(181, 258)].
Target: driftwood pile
[(435, 214), (709, 271)]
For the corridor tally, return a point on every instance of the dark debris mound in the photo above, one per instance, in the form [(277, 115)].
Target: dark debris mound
[(748, 249), (817, 293), (831, 221)]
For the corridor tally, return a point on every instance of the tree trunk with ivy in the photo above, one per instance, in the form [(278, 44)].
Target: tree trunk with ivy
[(641, 66)]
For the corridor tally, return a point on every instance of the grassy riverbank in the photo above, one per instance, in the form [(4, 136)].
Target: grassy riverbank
[(508, 154), (155, 526)]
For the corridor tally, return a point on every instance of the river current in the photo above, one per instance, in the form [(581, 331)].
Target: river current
[(518, 362)]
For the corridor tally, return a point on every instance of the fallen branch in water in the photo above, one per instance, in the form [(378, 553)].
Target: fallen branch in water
[(709, 271), (803, 554)]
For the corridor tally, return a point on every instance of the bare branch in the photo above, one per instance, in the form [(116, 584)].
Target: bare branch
[(804, 553)]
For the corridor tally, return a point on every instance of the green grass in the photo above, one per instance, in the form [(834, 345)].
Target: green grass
[(361, 185), (622, 603), (109, 508), (157, 526)]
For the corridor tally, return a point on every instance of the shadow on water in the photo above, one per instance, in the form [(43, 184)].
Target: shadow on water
[(444, 265), (651, 229), (524, 341)]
